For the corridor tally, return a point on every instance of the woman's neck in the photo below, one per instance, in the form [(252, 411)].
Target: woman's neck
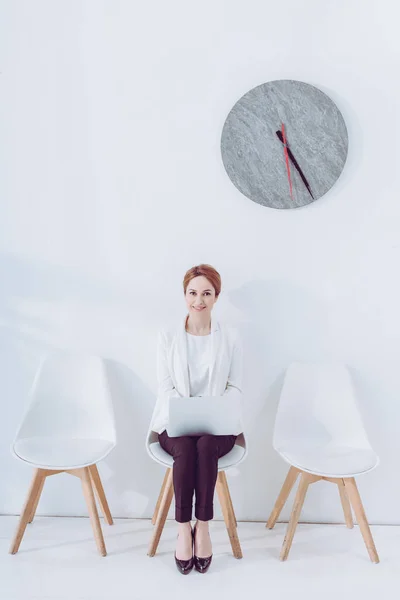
[(198, 326)]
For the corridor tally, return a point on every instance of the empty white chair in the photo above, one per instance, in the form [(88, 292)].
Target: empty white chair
[(232, 459), (68, 427), (319, 432)]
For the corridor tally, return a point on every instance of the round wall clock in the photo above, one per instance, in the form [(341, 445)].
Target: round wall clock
[(284, 144)]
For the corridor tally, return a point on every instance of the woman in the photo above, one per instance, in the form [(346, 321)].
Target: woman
[(200, 358)]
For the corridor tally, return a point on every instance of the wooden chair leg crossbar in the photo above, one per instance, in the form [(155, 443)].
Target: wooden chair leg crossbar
[(91, 482), (164, 503), (349, 497)]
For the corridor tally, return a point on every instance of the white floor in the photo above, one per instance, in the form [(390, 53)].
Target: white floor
[(58, 560)]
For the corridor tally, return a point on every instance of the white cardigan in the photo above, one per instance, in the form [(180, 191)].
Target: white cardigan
[(225, 373)]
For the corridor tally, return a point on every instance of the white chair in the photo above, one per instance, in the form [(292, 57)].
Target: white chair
[(68, 427), (232, 459), (319, 432)]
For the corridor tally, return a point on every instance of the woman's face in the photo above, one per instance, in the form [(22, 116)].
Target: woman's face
[(200, 296)]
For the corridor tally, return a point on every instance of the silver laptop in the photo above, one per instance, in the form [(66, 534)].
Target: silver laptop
[(215, 415)]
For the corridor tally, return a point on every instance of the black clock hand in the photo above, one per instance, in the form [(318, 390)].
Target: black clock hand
[(296, 164)]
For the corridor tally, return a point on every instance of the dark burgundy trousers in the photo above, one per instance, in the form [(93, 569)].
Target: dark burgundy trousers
[(195, 471)]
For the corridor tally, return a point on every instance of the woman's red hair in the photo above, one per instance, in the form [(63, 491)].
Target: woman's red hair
[(206, 271)]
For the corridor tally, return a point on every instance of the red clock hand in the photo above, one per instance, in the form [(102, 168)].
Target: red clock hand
[(287, 160)]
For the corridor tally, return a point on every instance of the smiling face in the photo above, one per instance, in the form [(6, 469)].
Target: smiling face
[(200, 297)]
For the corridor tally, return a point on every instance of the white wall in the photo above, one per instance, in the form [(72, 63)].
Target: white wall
[(113, 186)]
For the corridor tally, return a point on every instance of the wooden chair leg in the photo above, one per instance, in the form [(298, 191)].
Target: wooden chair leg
[(228, 495), (283, 496), (35, 486), (157, 508), (98, 487), (162, 514), (35, 504), (348, 517), (228, 515), (355, 499), (305, 481), (84, 474)]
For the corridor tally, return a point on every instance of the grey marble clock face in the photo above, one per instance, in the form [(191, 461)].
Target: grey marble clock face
[(284, 144)]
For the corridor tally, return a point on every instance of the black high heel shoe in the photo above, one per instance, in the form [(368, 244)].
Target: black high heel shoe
[(185, 566), (201, 564)]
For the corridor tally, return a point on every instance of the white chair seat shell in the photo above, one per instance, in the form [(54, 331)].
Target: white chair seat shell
[(318, 426), (69, 419), (233, 458), (62, 453), (329, 461)]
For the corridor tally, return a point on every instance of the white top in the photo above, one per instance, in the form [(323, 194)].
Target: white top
[(198, 355), (173, 373)]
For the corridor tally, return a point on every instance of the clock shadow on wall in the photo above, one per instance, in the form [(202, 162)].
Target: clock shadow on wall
[(284, 144)]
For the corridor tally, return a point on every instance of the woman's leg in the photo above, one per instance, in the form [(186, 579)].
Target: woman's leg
[(184, 452), (209, 449)]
